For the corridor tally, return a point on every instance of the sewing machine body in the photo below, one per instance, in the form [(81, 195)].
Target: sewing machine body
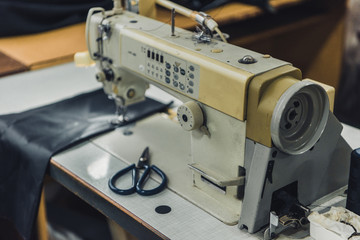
[(223, 165)]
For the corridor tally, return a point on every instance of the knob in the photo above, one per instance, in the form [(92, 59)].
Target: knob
[(190, 116), (100, 76), (109, 74)]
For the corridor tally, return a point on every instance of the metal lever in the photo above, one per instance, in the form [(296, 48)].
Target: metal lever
[(173, 22)]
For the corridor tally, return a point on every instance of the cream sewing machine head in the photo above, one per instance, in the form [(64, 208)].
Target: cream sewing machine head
[(258, 131)]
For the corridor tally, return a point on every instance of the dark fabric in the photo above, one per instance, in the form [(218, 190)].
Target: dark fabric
[(29, 139), (353, 198), (348, 98), (204, 5), (8, 230), (32, 16)]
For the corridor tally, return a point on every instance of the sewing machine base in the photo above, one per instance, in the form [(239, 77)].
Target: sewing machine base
[(127, 143)]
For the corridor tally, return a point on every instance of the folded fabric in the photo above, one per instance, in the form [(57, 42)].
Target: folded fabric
[(29, 139)]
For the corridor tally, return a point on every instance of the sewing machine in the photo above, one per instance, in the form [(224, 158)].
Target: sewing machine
[(253, 141)]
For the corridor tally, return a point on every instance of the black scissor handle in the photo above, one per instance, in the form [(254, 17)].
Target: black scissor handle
[(144, 177), (120, 173)]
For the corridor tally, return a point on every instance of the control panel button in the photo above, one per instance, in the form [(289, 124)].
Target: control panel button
[(191, 76), (191, 83), (182, 86), (168, 66), (182, 71), (168, 73), (176, 69), (176, 76), (167, 80), (191, 67), (175, 83)]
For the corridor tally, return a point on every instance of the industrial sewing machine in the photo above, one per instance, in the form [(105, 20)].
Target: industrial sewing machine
[(256, 140)]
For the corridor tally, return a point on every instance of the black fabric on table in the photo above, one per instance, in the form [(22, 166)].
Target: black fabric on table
[(29, 139), (20, 17)]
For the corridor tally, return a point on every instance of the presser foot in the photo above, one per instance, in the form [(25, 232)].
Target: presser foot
[(119, 120), (120, 117)]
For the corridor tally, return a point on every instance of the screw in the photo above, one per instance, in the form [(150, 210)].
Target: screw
[(131, 93), (247, 59)]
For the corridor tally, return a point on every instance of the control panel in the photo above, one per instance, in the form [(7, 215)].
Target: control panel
[(175, 73)]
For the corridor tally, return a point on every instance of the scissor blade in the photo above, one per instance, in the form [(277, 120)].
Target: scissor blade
[(144, 158)]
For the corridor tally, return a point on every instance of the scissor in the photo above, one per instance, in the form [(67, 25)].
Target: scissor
[(138, 183)]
